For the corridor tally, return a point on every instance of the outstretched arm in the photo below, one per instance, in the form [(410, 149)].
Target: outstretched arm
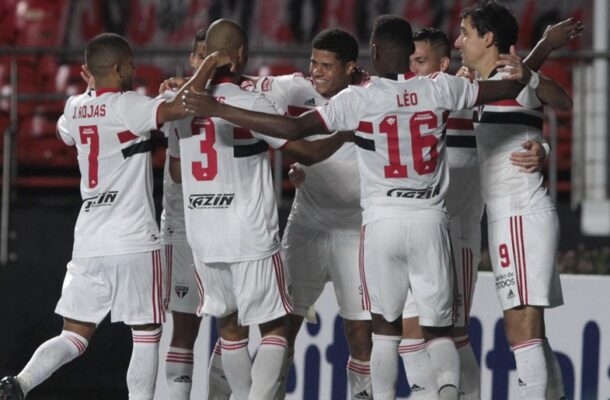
[(553, 38), (280, 126), (547, 90), (309, 152)]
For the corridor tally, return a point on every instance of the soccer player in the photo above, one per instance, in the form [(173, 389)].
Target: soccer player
[(402, 167), (116, 260), (464, 203), (322, 235), (523, 227), (231, 221)]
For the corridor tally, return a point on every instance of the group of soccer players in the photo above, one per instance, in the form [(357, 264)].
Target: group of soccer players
[(378, 217)]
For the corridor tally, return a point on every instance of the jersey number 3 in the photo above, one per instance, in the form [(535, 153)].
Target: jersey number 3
[(419, 142), (206, 128)]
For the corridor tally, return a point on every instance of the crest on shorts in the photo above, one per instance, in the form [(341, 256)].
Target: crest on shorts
[(181, 290)]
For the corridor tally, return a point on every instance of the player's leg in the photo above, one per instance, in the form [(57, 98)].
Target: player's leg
[(183, 300), (82, 299), (412, 349), (217, 282), (432, 285), (385, 285), (522, 250), (306, 253), (138, 302), (48, 358), (263, 300), (345, 274)]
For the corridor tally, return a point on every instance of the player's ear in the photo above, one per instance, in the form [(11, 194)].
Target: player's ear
[(489, 39), (445, 62), (350, 67)]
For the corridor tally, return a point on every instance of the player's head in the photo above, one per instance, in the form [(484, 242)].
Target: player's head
[(198, 51), (109, 58), (432, 51), (391, 44), (334, 53), (227, 35), (486, 30)]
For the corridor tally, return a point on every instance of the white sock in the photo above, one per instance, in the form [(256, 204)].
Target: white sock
[(237, 364), (218, 387), (49, 357), (470, 374), (281, 392), (446, 364), (554, 388), (359, 378), (142, 371), (531, 368), (179, 373), (384, 366), (418, 367), (267, 367)]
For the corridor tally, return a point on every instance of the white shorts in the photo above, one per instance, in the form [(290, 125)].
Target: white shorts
[(130, 286), (465, 208), (180, 281), (523, 251), (314, 257), (257, 290), (403, 254)]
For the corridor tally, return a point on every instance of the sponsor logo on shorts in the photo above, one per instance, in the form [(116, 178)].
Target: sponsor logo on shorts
[(105, 199), (427, 193), (364, 395), (210, 200), (183, 379), (510, 295), (416, 388), (505, 280)]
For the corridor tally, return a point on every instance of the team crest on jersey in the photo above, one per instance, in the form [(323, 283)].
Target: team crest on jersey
[(181, 289), (210, 200), (426, 193), (105, 199)]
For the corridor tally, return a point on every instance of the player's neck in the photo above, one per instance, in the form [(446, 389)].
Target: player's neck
[(487, 64)]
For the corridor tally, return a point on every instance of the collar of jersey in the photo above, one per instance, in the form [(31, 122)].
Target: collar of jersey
[(100, 92), (401, 77), (217, 80)]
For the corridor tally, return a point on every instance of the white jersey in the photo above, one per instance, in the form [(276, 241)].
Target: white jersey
[(111, 131), (501, 128), (229, 201), (330, 196), (400, 137), (173, 229)]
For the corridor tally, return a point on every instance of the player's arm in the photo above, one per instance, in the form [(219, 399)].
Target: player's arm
[(309, 152), (174, 109), (553, 38), (547, 90)]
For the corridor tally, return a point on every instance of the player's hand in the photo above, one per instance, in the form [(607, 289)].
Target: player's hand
[(199, 103), (172, 83), (87, 77), (222, 58), (359, 76), (296, 175), (531, 159), (513, 65), (465, 72), (562, 33)]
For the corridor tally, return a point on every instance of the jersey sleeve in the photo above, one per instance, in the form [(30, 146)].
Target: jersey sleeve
[(62, 126), (454, 93), (139, 112), (276, 88), (262, 104), (528, 98), (341, 112), (173, 141)]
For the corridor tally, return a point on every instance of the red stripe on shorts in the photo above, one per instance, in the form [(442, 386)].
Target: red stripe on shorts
[(364, 295), (281, 282)]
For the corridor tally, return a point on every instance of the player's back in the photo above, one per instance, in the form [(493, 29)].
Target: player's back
[(230, 206), (400, 137), (329, 198), (111, 131)]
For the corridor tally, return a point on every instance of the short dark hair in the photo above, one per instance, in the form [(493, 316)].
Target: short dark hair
[(199, 37), (489, 16), (439, 41), (339, 41), (105, 50), (395, 30)]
